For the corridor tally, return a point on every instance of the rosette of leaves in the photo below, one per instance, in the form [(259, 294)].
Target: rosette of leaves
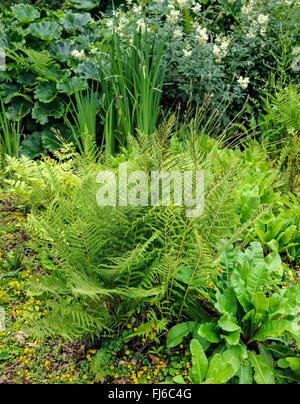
[(257, 330)]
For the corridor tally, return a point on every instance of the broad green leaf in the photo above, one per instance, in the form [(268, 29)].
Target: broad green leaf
[(254, 255), (263, 374), (74, 21), (178, 332), (32, 146), (260, 302), (271, 329), (279, 351), (88, 69), (45, 91), (200, 362), (179, 380), (257, 278), (246, 376), (266, 356), (286, 301), (42, 112), (219, 371), (25, 12), (229, 323), (61, 50), (52, 140), (86, 4), (209, 331), (239, 287), (286, 237), (226, 302), (18, 110), (291, 362), (273, 262), (234, 356), (233, 338), (250, 202), (46, 30), (70, 86)]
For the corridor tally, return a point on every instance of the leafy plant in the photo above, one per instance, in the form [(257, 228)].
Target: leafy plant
[(279, 233), (116, 267), (248, 320), (84, 118), (217, 371), (10, 135), (131, 81)]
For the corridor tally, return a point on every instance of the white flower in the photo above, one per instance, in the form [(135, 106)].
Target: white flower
[(217, 53), (187, 52), (263, 19), (224, 45), (251, 34), (141, 26), (245, 10), (178, 33), (137, 9), (243, 82), (78, 55), (159, 1), (201, 36), (173, 17), (182, 3), (197, 8), (110, 23)]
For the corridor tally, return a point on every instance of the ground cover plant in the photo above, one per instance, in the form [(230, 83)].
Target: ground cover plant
[(140, 292)]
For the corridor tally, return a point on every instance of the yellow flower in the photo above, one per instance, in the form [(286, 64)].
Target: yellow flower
[(84, 377), (127, 352)]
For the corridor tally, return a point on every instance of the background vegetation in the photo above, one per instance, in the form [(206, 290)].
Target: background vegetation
[(145, 294)]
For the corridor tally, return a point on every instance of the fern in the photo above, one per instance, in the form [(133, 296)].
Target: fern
[(114, 261)]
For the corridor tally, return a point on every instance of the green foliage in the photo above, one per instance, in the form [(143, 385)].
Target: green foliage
[(84, 120), (44, 73), (132, 80), (10, 136), (219, 370), (248, 320), (115, 261), (280, 233)]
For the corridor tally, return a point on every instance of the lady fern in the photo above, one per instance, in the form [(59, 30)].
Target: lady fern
[(114, 262)]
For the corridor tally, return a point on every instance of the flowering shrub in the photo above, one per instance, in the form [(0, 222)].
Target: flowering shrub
[(220, 48)]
